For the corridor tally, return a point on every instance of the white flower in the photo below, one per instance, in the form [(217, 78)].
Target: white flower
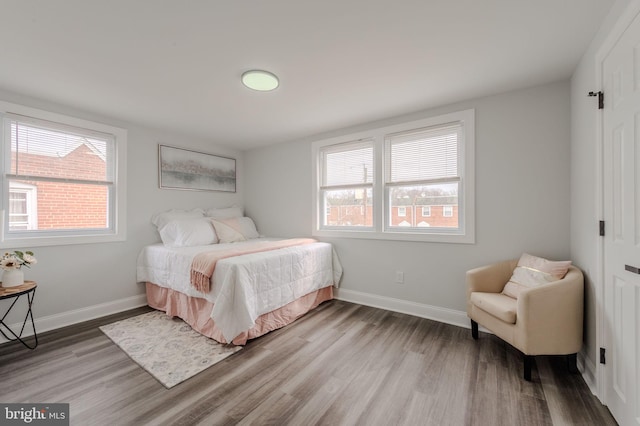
[(16, 259), (10, 262)]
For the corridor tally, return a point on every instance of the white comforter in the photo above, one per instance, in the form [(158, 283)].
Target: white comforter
[(244, 287)]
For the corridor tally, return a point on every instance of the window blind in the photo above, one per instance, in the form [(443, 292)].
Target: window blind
[(347, 164), (428, 154), (38, 146)]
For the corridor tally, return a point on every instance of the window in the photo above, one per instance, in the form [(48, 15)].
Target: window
[(62, 180), (395, 175), (422, 166), (23, 206), (346, 185)]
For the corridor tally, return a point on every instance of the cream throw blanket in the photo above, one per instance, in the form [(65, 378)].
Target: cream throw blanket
[(205, 263)]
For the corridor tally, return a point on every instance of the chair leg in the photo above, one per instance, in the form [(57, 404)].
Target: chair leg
[(572, 363), (474, 330), (528, 360)]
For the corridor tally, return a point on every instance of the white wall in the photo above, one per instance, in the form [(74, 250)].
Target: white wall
[(522, 204), (75, 277), (522, 199), (586, 207)]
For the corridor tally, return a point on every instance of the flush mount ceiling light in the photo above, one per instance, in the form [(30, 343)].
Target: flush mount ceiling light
[(263, 81)]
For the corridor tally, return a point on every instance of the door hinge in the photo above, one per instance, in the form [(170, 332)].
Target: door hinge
[(600, 96), (602, 228), (603, 359), (600, 100)]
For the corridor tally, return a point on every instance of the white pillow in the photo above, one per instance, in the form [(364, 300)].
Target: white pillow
[(188, 232), (235, 229), (224, 213), (162, 218), (533, 271)]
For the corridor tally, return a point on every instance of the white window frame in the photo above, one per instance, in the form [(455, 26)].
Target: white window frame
[(118, 208), (345, 146), (428, 210), (466, 198), (402, 211), (31, 193), (447, 211)]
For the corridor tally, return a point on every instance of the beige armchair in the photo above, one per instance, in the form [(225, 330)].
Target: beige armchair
[(544, 320)]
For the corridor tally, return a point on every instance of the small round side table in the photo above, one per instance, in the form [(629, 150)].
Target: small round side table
[(27, 289)]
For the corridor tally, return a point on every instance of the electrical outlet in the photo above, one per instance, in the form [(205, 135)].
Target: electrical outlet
[(399, 277)]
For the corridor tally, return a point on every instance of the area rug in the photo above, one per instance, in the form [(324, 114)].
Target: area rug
[(166, 347)]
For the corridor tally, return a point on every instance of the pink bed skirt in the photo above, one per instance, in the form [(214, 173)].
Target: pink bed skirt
[(196, 312)]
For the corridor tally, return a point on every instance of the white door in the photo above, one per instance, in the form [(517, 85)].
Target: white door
[(621, 124)]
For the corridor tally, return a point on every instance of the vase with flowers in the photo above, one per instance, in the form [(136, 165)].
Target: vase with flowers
[(11, 264)]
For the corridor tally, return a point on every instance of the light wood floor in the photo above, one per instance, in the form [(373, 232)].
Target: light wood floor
[(342, 364)]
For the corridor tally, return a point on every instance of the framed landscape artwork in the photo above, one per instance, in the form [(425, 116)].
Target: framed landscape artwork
[(185, 169)]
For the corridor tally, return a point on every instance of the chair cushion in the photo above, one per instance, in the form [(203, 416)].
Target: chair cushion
[(533, 271), (497, 304)]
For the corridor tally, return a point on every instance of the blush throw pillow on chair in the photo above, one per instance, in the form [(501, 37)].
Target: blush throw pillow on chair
[(533, 271)]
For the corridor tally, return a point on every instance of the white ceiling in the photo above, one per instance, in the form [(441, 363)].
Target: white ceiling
[(176, 65)]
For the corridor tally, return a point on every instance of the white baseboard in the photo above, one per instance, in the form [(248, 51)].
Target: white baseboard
[(448, 316), (64, 319), (587, 367)]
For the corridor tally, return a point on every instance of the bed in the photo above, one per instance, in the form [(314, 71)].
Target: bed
[(249, 294)]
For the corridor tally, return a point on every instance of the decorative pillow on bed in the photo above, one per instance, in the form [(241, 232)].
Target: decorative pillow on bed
[(224, 213), (533, 271), (188, 232), (161, 219), (235, 229)]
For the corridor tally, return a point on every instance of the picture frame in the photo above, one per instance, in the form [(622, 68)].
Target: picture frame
[(180, 168)]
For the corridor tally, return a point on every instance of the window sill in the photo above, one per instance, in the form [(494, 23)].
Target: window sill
[(58, 240), (397, 236)]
